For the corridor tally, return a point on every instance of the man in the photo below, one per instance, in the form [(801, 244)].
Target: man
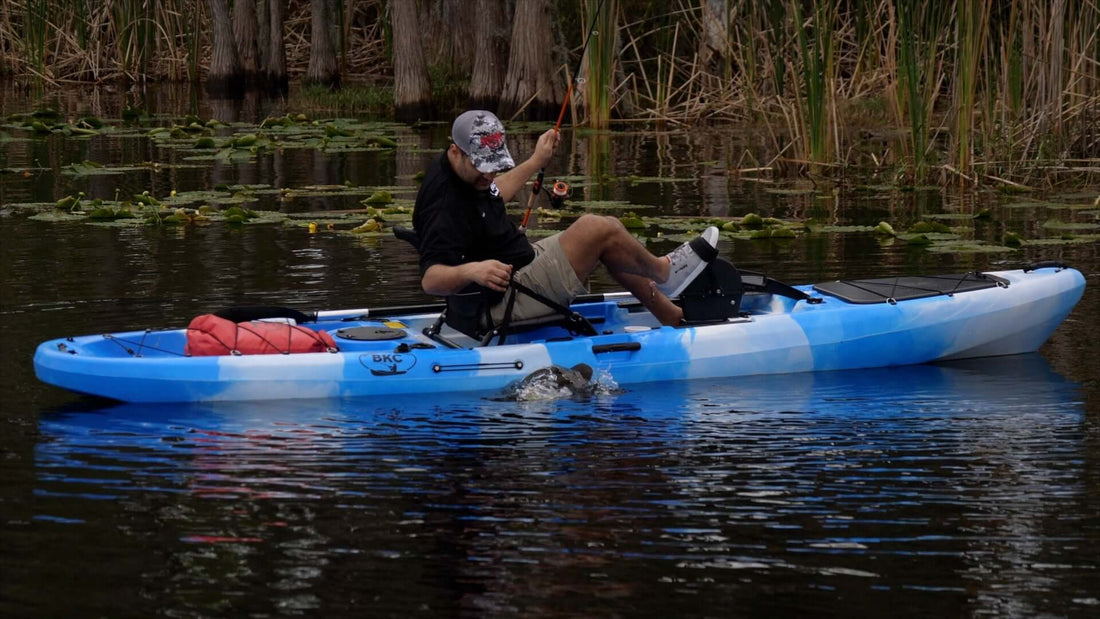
[(467, 238)]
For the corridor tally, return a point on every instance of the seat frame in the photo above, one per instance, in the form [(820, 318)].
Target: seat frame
[(482, 327)]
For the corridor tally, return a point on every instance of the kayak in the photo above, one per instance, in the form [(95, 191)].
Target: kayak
[(776, 329)]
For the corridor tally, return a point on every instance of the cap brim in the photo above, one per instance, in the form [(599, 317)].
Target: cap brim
[(499, 164)]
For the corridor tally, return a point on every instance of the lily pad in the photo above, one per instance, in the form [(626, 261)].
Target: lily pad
[(1055, 224), (56, 216), (930, 236), (967, 247), (843, 229), (607, 205), (949, 216), (790, 191), (1076, 240), (91, 168)]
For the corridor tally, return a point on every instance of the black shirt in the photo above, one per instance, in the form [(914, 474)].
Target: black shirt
[(457, 223)]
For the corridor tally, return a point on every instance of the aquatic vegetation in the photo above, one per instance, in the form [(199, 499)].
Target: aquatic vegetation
[(371, 225), (752, 220), (785, 210), (1057, 224), (107, 213), (632, 222), (379, 197), (967, 247), (924, 227)]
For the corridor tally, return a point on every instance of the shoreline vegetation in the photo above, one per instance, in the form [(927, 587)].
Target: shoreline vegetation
[(955, 92)]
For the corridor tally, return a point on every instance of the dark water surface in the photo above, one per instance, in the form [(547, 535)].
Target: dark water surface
[(963, 489)]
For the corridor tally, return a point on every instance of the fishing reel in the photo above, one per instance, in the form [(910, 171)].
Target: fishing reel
[(558, 192)]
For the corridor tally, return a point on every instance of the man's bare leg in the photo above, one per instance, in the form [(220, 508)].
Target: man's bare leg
[(593, 240), (645, 290)]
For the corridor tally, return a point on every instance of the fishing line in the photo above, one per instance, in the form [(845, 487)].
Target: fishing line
[(561, 115)]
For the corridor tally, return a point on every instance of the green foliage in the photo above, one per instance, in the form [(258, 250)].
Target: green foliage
[(449, 87), (924, 227), (379, 197), (632, 221), (371, 99)]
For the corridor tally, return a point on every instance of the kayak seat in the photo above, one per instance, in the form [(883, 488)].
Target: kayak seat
[(468, 311)]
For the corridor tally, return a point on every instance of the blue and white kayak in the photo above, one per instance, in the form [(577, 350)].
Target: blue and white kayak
[(833, 326)]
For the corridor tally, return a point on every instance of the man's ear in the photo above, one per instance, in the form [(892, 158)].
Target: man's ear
[(454, 150)]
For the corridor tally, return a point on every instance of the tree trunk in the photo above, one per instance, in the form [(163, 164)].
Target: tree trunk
[(323, 68), (529, 87), (245, 29), (276, 53), (224, 75), (263, 37), (412, 90), (714, 43), (451, 32), (491, 58)]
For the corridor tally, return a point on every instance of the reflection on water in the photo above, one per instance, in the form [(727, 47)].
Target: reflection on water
[(955, 480), (942, 490)]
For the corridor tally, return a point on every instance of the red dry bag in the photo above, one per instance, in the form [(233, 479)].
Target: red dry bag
[(210, 335)]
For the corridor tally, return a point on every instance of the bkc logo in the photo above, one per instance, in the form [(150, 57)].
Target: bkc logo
[(388, 364)]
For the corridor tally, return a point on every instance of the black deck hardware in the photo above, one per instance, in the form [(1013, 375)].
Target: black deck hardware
[(370, 333), (459, 367), (619, 347), (1045, 265)]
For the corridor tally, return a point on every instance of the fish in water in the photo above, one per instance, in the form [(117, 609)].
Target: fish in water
[(552, 382)]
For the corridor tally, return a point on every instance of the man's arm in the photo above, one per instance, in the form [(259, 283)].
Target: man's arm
[(442, 280), (511, 181)]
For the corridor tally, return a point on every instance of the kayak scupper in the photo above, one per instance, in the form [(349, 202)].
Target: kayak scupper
[(771, 334)]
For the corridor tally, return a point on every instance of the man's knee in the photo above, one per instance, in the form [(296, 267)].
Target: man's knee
[(597, 227)]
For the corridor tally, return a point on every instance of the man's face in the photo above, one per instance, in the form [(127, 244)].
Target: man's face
[(467, 172)]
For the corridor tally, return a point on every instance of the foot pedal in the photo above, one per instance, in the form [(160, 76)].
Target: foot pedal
[(714, 296)]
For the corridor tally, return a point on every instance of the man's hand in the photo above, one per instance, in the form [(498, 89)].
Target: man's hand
[(492, 274), (441, 280), (544, 149), (511, 181)]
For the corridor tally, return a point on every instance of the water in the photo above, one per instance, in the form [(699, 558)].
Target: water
[(962, 489)]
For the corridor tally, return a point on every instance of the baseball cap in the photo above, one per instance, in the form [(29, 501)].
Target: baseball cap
[(480, 135)]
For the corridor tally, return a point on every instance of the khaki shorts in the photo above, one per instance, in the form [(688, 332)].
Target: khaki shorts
[(550, 275)]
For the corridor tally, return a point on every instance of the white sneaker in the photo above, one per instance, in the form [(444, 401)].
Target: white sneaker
[(687, 261)]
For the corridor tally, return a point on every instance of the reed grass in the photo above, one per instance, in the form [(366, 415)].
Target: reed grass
[(598, 82), (919, 71), (818, 79), (982, 90)]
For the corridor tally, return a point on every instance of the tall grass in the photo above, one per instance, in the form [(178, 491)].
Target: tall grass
[(971, 26), (35, 28), (920, 25), (818, 78), (982, 89), (598, 80)]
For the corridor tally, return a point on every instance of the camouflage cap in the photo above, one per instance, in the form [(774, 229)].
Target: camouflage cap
[(480, 135)]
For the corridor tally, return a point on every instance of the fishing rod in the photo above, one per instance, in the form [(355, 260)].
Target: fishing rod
[(557, 126)]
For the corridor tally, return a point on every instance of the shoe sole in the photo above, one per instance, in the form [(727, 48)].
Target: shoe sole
[(704, 250)]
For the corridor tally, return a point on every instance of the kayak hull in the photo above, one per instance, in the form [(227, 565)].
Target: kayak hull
[(776, 335)]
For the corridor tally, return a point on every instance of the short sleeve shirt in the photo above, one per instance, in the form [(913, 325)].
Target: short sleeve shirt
[(457, 223)]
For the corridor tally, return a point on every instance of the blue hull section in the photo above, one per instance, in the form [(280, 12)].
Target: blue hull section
[(776, 336)]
